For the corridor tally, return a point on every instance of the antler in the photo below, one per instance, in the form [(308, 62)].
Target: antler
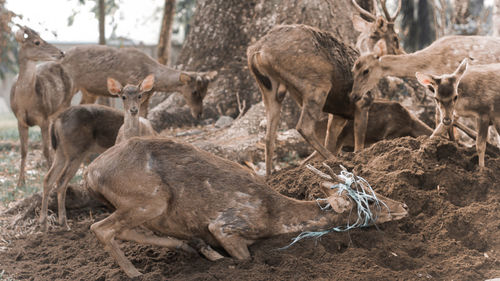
[(363, 11), (386, 13)]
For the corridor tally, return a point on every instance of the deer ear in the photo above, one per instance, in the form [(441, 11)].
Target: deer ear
[(114, 87), (461, 69), (360, 24), (380, 48), (184, 78), (147, 83), (424, 79), (210, 76), (20, 35)]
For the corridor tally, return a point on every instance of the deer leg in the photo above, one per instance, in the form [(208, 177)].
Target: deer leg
[(335, 126), (236, 246), (124, 219), (142, 238), (23, 137), (440, 129), (360, 124), (273, 111), (483, 122), (87, 98), (44, 128), (53, 175), (70, 169), (451, 132)]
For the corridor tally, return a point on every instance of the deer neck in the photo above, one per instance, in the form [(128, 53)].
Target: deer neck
[(166, 79), (27, 76), (404, 65), (131, 126), (290, 215)]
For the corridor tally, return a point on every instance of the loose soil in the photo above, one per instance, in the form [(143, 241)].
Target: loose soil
[(452, 232)]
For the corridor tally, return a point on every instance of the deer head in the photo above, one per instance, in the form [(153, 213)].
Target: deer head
[(132, 95), (376, 28), (194, 89), (367, 71), (445, 91), (34, 48), (390, 210)]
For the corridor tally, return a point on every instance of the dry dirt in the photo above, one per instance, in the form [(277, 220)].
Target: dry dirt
[(452, 232)]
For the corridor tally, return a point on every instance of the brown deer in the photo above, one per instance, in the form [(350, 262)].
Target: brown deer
[(133, 97), (75, 137), (468, 92), (38, 93), (314, 67), (376, 28), (182, 192), (89, 66), (76, 133)]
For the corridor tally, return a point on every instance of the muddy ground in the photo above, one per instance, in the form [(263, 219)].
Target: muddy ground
[(452, 232)]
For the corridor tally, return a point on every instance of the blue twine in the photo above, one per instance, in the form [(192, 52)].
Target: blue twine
[(358, 194)]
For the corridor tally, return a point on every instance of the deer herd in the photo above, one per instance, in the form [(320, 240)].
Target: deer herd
[(158, 183)]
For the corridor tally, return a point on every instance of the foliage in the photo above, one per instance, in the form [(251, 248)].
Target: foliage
[(8, 46), (111, 6), (184, 11)]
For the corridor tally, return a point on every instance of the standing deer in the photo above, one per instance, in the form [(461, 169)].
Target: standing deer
[(38, 92), (442, 56), (314, 67), (468, 92), (81, 131), (133, 97), (89, 66), (376, 29), (182, 192)]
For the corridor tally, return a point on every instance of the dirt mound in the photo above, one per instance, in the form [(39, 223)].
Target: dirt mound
[(451, 233)]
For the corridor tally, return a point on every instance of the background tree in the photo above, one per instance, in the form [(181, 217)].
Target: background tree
[(8, 46), (166, 32)]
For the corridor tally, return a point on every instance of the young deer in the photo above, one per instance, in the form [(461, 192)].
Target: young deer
[(183, 193), (314, 67), (37, 93), (377, 28), (468, 92), (89, 66), (133, 97), (76, 133)]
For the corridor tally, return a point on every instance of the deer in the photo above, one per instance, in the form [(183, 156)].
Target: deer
[(38, 92), (184, 193), (470, 91), (89, 66), (133, 97), (442, 56), (85, 130), (376, 28)]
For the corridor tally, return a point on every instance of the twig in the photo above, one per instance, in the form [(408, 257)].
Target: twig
[(241, 106)]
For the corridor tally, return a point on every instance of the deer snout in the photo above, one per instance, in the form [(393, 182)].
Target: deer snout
[(61, 53), (446, 121), (134, 110)]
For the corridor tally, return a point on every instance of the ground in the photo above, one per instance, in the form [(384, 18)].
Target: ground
[(451, 232)]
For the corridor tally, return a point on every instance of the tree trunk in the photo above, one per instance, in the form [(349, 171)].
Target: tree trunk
[(166, 32), (102, 41), (220, 33), (496, 18)]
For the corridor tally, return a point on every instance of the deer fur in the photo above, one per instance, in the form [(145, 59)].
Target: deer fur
[(469, 92), (76, 133), (376, 28), (182, 193), (133, 97), (314, 67), (38, 92), (90, 66)]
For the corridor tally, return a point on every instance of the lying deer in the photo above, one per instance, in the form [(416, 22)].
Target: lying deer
[(81, 131), (89, 66), (376, 28), (33, 96), (133, 97), (182, 192), (468, 92), (314, 67), (442, 56)]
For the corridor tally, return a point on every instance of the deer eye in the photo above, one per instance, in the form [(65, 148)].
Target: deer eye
[(124, 97), (140, 96), (366, 71), (37, 43), (455, 98)]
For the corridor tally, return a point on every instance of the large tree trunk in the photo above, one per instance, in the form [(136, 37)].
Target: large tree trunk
[(166, 32), (102, 41), (218, 39)]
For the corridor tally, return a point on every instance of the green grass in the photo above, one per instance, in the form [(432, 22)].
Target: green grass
[(9, 132)]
